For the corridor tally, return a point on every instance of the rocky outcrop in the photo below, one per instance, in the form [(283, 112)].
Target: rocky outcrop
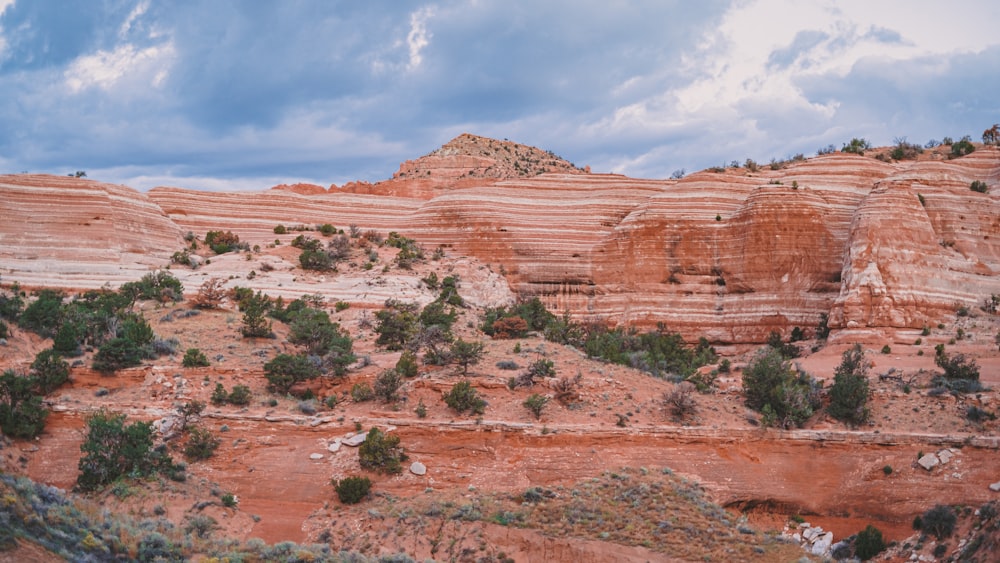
[(55, 226), (730, 254)]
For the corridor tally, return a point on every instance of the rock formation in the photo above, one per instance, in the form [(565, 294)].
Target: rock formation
[(729, 254)]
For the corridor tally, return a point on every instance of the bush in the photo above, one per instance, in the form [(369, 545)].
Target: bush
[(977, 415), (407, 364), (362, 392), (856, 146), (280, 230), (542, 368), (905, 151), (507, 365), (219, 395), (285, 370), (536, 403), (680, 401), (979, 186), (21, 411), (771, 387), (381, 452), (210, 294), (463, 397), (117, 353), (957, 366), (939, 521), (255, 308), (387, 385), (240, 395), (352, 490), (466, 353), (962, 148), (315, 260), (395, 324), (868, 543), (510, 327), (849, 393), (112, 450), (194, 358), (222, 242), (157, 286), (49, 371), (201, 444), (886, 349), (44, 314)]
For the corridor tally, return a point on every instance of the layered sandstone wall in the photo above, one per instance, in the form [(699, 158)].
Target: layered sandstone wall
[(730, 255)]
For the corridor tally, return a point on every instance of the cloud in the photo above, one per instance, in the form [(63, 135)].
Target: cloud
[(419, 37), (106, 69), (328, 92)]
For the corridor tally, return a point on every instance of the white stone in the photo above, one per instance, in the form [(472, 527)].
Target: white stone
[(315, 457), (418, 468), (995, 487), (334, 447), (355, 440), (945, 456), (823, 544), (797, 537), (809, 534), (929, 461)]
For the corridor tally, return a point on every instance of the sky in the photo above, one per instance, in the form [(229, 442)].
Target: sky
[(243, 95)]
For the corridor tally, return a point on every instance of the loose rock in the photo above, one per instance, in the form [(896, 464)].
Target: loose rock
[(355, 440), (929, 461), (418, 468)]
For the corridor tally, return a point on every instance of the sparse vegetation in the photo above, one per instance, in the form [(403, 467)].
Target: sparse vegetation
[(979, 186), (856, 146), (785, 397), (113, 449), (201, 444), (868, 543), (194, 358), (939, 521), (21, 412), (535, 404), (680, 401)]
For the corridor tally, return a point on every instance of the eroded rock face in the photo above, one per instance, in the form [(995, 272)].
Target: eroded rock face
[(728, 255)]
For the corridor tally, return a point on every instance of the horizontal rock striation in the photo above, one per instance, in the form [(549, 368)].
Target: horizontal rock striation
[(730, 255)]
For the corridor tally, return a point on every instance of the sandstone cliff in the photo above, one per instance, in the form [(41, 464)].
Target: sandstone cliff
[(729, 254)]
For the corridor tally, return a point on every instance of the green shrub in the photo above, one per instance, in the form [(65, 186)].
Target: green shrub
[(229, 500), (849, 394), (788, 351), (466, 354), (362, 392), (112, 450), (886, 349), (979, 186), (44, 314), (240, 395), (535, 404), (381, 452), (868, 543), (160, 285), (201, 444), (352, 490), (957, 366), (772, 387), (313, 329), (280, 230), (887, 469), (395, 324), (49, 371), (21, 411), (219, 395), (387, 385), (962, 148), (341, 306), (255, 308), (117, 353), (856, 146), (939, 521), (463, 397), (327, 230), (285, 370), (316, 260), (194, 358), (407, 364)]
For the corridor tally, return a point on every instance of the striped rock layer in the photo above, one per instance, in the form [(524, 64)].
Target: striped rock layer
[(728, 255)]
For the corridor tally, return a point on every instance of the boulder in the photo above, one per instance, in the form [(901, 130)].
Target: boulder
[(334, 447), (945, 456), (995, 487), (315, 457), (929, 461), (355, 440), (822, 545), (418, 468)]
